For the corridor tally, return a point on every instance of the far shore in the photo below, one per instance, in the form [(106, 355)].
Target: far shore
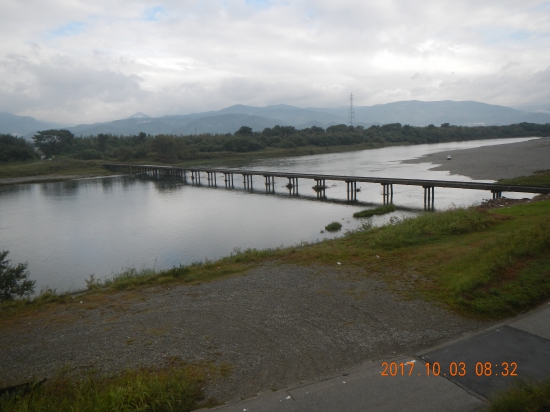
[(502, 161)]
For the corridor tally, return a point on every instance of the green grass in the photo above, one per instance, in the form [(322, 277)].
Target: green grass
[(431, 227), (540, 178), (333, 227), (61, 166), (522, 397), (238, 262), (381, 210), (174, 388)]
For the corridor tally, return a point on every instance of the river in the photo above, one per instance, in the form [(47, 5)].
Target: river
[(68, 230)]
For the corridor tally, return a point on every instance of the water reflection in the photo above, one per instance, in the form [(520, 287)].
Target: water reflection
[(69, 230), (13, 190), (60, 189)]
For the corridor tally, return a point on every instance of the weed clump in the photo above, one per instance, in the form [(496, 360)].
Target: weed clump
[(523, 396), (382, 210), (333, 227), (169, 389)]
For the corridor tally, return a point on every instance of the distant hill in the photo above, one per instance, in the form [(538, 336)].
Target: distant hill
[(139, 115), (22, 125), (184, 125), (230, 119), (417, 113)]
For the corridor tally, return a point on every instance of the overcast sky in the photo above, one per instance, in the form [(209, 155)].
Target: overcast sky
[(74, 61)]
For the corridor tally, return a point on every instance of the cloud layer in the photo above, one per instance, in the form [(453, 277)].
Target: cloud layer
[(73, 61)]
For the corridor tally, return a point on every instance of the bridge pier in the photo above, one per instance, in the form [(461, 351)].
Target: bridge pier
[(196, 177), (387, 193), (496, 194), (228, 179), (247, 181), (429, 197), (352, 190), (269, 184), (211, 179), (292, 185), (320, 187)]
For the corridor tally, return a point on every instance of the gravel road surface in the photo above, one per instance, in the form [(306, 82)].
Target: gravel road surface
[(277, 325)]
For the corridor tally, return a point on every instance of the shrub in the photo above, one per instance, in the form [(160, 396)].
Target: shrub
[(88, 154), (382, 210), (14, 280), (333, 227)]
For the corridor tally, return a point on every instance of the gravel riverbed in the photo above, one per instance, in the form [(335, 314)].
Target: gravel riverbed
[(501, 161)]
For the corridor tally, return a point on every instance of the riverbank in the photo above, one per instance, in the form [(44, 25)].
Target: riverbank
[(503, 161), (64, 168), (297, 314), (483, 163)]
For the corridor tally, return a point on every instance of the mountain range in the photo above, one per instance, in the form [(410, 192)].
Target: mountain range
[(230, 119)]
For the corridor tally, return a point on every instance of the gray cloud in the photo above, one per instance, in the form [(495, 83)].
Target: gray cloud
[(75, 61)]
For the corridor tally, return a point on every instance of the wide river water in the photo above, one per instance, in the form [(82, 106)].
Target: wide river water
[(69, 230)]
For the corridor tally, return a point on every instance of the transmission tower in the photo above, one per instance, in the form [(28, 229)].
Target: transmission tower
[(351, 119)]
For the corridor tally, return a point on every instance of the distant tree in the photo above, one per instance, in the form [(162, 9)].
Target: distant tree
[(102, 141), (14, 280), (338, 128), (317, 129), (15, 149), (165, 148), (245, 131), (54, 141)]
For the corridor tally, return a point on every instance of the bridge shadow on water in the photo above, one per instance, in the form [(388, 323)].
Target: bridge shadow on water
[(166, 184)]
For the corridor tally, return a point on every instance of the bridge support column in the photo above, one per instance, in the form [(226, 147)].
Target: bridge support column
[(211, 178), (320, 188), (429, 197), (196, 177), (269, 184), (496, 194), (247, 181), (228, 179), (292, 185), (387, 193), (352, 190)]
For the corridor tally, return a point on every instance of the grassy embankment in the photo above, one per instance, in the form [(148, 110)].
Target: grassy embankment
[(58, 167), (523, 397), (176, 387), (540, 178)]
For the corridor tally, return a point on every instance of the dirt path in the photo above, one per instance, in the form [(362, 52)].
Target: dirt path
[(276, 325)]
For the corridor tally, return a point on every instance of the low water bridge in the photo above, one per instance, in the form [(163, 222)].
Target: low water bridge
[(210, 174)]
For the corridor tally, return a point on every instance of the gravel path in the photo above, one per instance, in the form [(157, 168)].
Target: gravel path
[(277, 325), (502, 161)]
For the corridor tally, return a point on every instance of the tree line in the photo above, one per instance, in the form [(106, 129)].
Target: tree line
[(172, 148)]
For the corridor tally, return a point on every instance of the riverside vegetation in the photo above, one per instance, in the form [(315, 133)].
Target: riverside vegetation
[(83, 155), (480, 263)]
